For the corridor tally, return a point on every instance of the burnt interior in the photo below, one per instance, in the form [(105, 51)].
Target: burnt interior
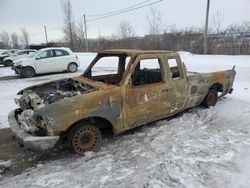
[(145, 76)]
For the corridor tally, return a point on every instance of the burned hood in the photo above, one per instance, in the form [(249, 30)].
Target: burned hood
[(37, 96), (68, 83)]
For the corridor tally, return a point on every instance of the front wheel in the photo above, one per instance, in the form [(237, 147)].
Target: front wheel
[(211, 98), (85, 138), (72, 67), (27, 72), (7, 63)]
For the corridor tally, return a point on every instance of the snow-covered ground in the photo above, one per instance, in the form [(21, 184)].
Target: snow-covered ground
[(201, 148)]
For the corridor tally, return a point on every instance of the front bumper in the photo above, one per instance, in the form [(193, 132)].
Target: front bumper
[(35, 143), (17, 69)]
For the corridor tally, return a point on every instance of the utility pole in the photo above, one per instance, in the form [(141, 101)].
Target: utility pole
[(86, 35), (206, 28), (46, 37)]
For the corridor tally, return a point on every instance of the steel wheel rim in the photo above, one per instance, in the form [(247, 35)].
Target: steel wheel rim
[(210, 99), (85, 139)]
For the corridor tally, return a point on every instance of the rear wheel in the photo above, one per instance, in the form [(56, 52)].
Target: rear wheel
[(72, 67), (27, 72), (85, 138), (211, 98), (7, 63)]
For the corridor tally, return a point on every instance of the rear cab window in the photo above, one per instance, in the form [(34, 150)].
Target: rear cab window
[(174, 67)]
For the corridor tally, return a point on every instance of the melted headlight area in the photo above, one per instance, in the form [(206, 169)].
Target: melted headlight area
[(32, 99), (31, 123)]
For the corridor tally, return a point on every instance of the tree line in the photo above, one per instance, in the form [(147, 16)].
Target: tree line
[(14, 40)]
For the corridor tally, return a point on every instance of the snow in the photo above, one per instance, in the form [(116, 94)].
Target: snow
[(201, 148), (4, 165)]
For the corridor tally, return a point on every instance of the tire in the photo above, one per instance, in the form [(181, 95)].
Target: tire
[(85, 137), (27, 72), (72, 67), (7, 63), (211, 98)]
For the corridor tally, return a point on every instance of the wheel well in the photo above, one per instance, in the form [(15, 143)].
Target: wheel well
[(103, 124), (74, 63), (217, 86), (29, 67)]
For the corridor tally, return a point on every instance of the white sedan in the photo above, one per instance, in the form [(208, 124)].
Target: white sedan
[(47, 60)]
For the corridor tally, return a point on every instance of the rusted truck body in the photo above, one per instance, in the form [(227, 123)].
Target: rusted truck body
[(138, 88)]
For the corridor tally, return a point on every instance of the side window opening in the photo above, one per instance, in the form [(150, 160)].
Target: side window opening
[(174, 69), (61, 53), (147, 71), (46, 54), (21, 53)]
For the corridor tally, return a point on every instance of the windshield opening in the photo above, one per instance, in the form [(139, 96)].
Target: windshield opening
[(5, 53), (107, 68), (34, 54)]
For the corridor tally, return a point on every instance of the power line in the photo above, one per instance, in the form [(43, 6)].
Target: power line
[(113, 12), (105, 15), (132, 9)]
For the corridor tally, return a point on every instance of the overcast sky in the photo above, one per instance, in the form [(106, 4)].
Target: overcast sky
[(34, 14)]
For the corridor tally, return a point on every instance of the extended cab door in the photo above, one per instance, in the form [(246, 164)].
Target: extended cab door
[(146, 93), (178, 81), (44, 62)]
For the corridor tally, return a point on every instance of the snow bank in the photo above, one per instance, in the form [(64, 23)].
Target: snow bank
[(3, 166), (198, 149)]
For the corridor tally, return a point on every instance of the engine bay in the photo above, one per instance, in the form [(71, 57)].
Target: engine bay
[(39, 96)]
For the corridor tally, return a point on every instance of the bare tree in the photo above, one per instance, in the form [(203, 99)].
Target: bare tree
[(4, 37), (14, 40), (154, 21), (25, 37), (125, 30), (79, 36), (217, 21), (69, 26)]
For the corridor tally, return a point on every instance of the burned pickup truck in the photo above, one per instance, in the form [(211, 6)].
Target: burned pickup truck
[(120, 90)]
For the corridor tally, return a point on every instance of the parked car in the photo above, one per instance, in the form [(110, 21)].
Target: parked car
[(7, 53), (138, 87), (7, 61), (47, 60)]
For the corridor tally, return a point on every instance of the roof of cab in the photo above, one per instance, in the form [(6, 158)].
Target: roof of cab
[(133, 52)]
